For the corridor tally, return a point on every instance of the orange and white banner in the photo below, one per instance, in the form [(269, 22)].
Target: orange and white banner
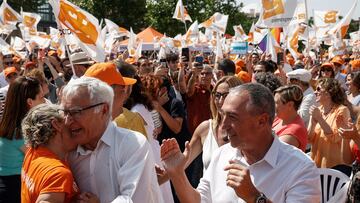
[(343, 25), (115, 30), (325, 18), (132, 43), (240, 33), (280, 13), (181, 12), (83, 25), (217, 22), (8, 15), (29, 24), (192, 35)]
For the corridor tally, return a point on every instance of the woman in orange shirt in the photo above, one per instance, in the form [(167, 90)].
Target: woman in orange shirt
[(328, 147), (45, 174)]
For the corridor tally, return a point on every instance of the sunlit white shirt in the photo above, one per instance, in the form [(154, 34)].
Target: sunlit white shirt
[(285, 174), (120, 169)]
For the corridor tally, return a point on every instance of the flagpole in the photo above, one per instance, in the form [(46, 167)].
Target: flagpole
[(71, 63), (308, 24), (185, 26)]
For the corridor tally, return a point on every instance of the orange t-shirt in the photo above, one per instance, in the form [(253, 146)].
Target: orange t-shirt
[(43, 172)]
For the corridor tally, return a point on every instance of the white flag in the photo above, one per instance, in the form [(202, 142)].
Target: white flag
[(115, 30), (83, 25), (29, 24), (132, 43), (343, 25), (240, 33), (280, 13), (181, 12), (217, 22), (8, 15), (192, 35), (17, 43)]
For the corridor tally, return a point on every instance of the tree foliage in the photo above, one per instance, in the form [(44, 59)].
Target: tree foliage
[(125, 13), (159, 14), (27, 5)]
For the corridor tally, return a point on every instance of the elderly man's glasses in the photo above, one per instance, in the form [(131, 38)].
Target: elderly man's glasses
[(75, 113)]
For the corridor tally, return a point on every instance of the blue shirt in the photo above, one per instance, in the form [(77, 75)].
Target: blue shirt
[(11, 156)]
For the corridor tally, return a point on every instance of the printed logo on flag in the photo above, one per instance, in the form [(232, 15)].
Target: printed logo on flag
[(272, 8), (78, 23), (29, 21), (9, 16), (330, 17)]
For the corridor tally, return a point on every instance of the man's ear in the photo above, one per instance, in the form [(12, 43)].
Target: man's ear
[(105, 109), (56, 124), (263, 119)]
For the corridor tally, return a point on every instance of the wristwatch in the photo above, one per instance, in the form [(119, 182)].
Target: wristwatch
[(261, 198)]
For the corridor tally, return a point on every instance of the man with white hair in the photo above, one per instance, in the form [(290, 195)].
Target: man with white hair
[(302, 77), (113, 163)]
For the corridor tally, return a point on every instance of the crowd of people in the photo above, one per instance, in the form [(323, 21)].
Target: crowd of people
[(179, 129)]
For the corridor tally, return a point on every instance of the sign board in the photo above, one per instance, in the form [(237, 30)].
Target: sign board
[(239, 48)]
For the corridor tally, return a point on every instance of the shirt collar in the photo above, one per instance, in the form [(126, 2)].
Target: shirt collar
[(105, 138), (272, 154)]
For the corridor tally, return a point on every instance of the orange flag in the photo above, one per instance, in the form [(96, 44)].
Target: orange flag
[(83, 25)]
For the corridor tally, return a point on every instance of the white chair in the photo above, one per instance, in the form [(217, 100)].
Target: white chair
[(332, 181)]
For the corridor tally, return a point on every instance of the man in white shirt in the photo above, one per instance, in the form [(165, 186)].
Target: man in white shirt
[(302, 77), (113, 163), (255, 166)]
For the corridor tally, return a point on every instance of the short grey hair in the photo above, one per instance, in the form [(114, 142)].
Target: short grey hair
[(36, 126), (260, 97), (98, 90)]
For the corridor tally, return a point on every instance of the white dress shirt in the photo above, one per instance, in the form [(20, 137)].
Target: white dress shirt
[(3, 81), (285, 174), (120, 169), (309, 100)]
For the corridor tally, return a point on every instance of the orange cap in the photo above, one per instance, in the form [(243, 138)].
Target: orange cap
[(327, 64), (240, 64), (244, 76), (9, 70), (355, 65), (107, 72), (338, 60)]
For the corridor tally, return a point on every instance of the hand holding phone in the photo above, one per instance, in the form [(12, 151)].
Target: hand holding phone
[(185, 54)]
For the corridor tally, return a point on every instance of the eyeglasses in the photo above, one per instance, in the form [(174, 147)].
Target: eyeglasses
[(219, 95), (76, 113), (259, 71), (327, 70)]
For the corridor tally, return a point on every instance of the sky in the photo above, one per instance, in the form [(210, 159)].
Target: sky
[(342, 5)]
